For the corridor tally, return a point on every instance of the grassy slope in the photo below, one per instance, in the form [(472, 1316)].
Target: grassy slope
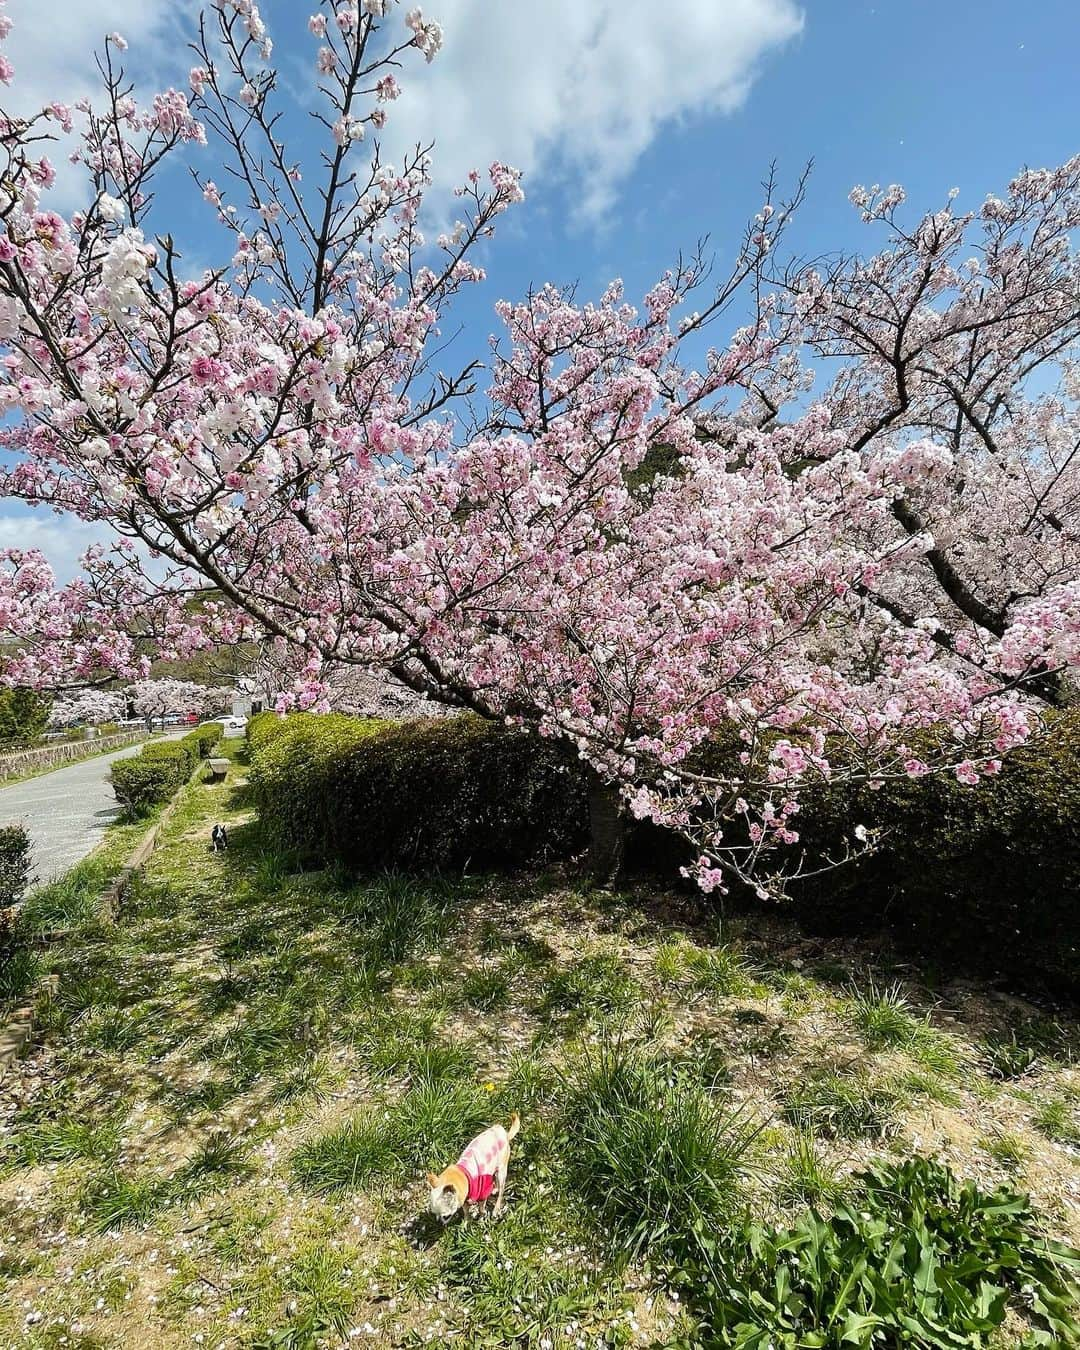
[(69, 901), (224, 1137)]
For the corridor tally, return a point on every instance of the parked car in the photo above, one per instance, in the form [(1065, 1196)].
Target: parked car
[(234, 726)]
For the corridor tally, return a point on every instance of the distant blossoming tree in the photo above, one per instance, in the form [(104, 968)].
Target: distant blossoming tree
[(87, 707), (158, 699), (626, 539)]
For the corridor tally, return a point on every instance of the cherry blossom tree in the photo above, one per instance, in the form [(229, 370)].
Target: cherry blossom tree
[(847, 534), (88, 707), (275, 668), (216, 699), (161, 698)]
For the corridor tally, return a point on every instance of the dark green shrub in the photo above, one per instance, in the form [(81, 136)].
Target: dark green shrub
[(24, 715), (299, 766), (263, 727), (916, 1257), (14, 864), (17, 963), (447, 792), (206, 738), (984, 878), (184, 753), (143, 781)]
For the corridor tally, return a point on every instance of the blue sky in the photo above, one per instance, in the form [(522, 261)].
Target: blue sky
[(644, 127), (928, 93)]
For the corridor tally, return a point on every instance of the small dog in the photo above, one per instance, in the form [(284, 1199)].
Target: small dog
[(479, 1170), (219, 840)]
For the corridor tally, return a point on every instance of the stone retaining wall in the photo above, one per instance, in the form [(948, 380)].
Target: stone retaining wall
[(21, 762)]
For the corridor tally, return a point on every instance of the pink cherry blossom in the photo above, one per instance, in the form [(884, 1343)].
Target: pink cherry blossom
[(88, 707), (623, 530)]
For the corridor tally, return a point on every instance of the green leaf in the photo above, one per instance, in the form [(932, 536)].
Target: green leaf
[(858, 1328)]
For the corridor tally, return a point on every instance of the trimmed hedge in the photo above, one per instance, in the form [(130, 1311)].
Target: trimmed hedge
[(182, 752), (15, 864), (982, 879), (140, 783), (264, 726), (432, 792), (206, 737), (161, 767)]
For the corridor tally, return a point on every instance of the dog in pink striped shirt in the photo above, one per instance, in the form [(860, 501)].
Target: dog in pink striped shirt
[(480, 1170)]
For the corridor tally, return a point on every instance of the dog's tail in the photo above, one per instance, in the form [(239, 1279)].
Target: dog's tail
[(515, 1125)]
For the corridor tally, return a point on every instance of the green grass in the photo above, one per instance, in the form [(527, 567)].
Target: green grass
[(1007, 1057), (487, 987), (115, 1198), (707, 970), (220, 1154), (651, 1152), (63, 1140), (20, 972), (524, 1280), (312, 1078), (71, 899), (886, 1020), (844, 1105), (707, 1060), (884, 1016), (806, 1176), (1006, 1149), (1028, 1045), (110, 1028), (67, 903), (597, 984), (111, 1199), (423, 1131), (1059, 1119), (346, 1157), (398, 916), (719, 970), (252, 1072)]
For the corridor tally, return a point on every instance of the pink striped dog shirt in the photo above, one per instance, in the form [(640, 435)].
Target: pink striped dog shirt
[(482, 1159)]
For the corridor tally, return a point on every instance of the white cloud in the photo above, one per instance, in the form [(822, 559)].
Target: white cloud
[(53, 46), (578, 90), (62, 539), (570, 89)]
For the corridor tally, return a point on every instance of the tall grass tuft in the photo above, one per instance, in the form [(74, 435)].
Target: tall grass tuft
[(425, 1128), (651, 1151), (806, 1177), (849, 1106)]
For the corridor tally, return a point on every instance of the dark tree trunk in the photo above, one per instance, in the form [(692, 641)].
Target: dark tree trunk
[(606, 831)]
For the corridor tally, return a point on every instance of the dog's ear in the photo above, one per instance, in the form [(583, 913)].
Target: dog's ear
[(432, 1180)]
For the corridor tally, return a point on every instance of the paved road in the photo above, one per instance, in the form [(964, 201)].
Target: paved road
[(65, 811)]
